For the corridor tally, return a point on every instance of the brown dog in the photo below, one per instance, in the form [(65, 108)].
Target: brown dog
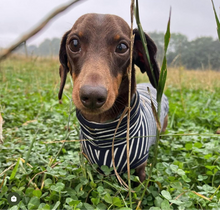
[(96, 51)]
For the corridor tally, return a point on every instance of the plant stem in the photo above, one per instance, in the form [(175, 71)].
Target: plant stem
[(155, 154), (129, 102)]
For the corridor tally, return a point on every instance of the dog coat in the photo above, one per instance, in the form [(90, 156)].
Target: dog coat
[(97, 146)]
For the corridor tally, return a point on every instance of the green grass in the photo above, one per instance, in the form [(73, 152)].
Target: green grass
[(187, 175)]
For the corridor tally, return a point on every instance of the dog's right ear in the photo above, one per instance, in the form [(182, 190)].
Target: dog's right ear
[(140, 58), (63, 70)]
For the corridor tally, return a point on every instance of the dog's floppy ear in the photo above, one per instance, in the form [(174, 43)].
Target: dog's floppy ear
[(63, 70), (140, 59)]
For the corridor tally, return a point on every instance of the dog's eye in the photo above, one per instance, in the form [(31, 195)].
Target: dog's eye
[(75, 45), (121, 48)]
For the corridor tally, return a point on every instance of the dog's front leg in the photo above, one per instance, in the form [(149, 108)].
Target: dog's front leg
[(140, 171)]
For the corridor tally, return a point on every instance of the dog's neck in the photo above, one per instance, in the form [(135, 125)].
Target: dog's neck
[(120, 104), (94, 127), (112, 114)]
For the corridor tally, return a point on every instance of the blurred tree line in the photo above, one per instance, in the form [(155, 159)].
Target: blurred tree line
[(46, 48), (200, 53)]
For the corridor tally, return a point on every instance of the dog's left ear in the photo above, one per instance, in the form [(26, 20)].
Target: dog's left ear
[(140, 59), (63, 70)]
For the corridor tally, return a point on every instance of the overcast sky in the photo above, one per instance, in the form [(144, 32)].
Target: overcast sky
[(193, 18)]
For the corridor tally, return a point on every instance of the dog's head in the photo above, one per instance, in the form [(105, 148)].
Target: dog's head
[(96, 51)]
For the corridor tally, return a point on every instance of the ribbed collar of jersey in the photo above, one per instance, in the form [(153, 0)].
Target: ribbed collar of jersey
[(103, 133)]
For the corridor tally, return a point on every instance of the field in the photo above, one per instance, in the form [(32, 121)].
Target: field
[(50, 174)]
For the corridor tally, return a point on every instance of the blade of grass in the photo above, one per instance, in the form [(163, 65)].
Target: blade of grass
[(129, 101), (15, 170), (154, 111), (113, 151), (201, 196), (215, 193), (144, 41), (161, 85), (160, 89), (217, 20), (163, 73)]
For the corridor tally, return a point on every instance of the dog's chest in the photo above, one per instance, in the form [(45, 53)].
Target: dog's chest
[(98, 143)]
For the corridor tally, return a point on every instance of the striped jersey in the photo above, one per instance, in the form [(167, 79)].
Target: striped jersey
[(97, 146)]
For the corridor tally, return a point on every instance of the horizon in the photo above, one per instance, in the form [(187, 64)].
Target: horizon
[(51, 38)]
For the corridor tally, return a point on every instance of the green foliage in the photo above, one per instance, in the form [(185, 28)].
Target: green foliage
[(187, 174), (200, 53)]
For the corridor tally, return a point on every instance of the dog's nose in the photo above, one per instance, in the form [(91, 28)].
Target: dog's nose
[(93, 97)]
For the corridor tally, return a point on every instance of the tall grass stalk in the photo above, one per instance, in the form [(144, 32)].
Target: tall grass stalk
[(217, 20), (144, 41), (159, 87), (129, 101)]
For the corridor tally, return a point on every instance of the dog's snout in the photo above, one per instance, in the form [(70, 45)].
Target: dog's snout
[(93, 97)]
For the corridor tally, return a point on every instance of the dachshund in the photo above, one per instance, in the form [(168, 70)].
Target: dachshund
[(96, 52)]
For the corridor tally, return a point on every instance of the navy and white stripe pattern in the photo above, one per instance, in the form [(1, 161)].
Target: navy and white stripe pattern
[(99, 136)]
